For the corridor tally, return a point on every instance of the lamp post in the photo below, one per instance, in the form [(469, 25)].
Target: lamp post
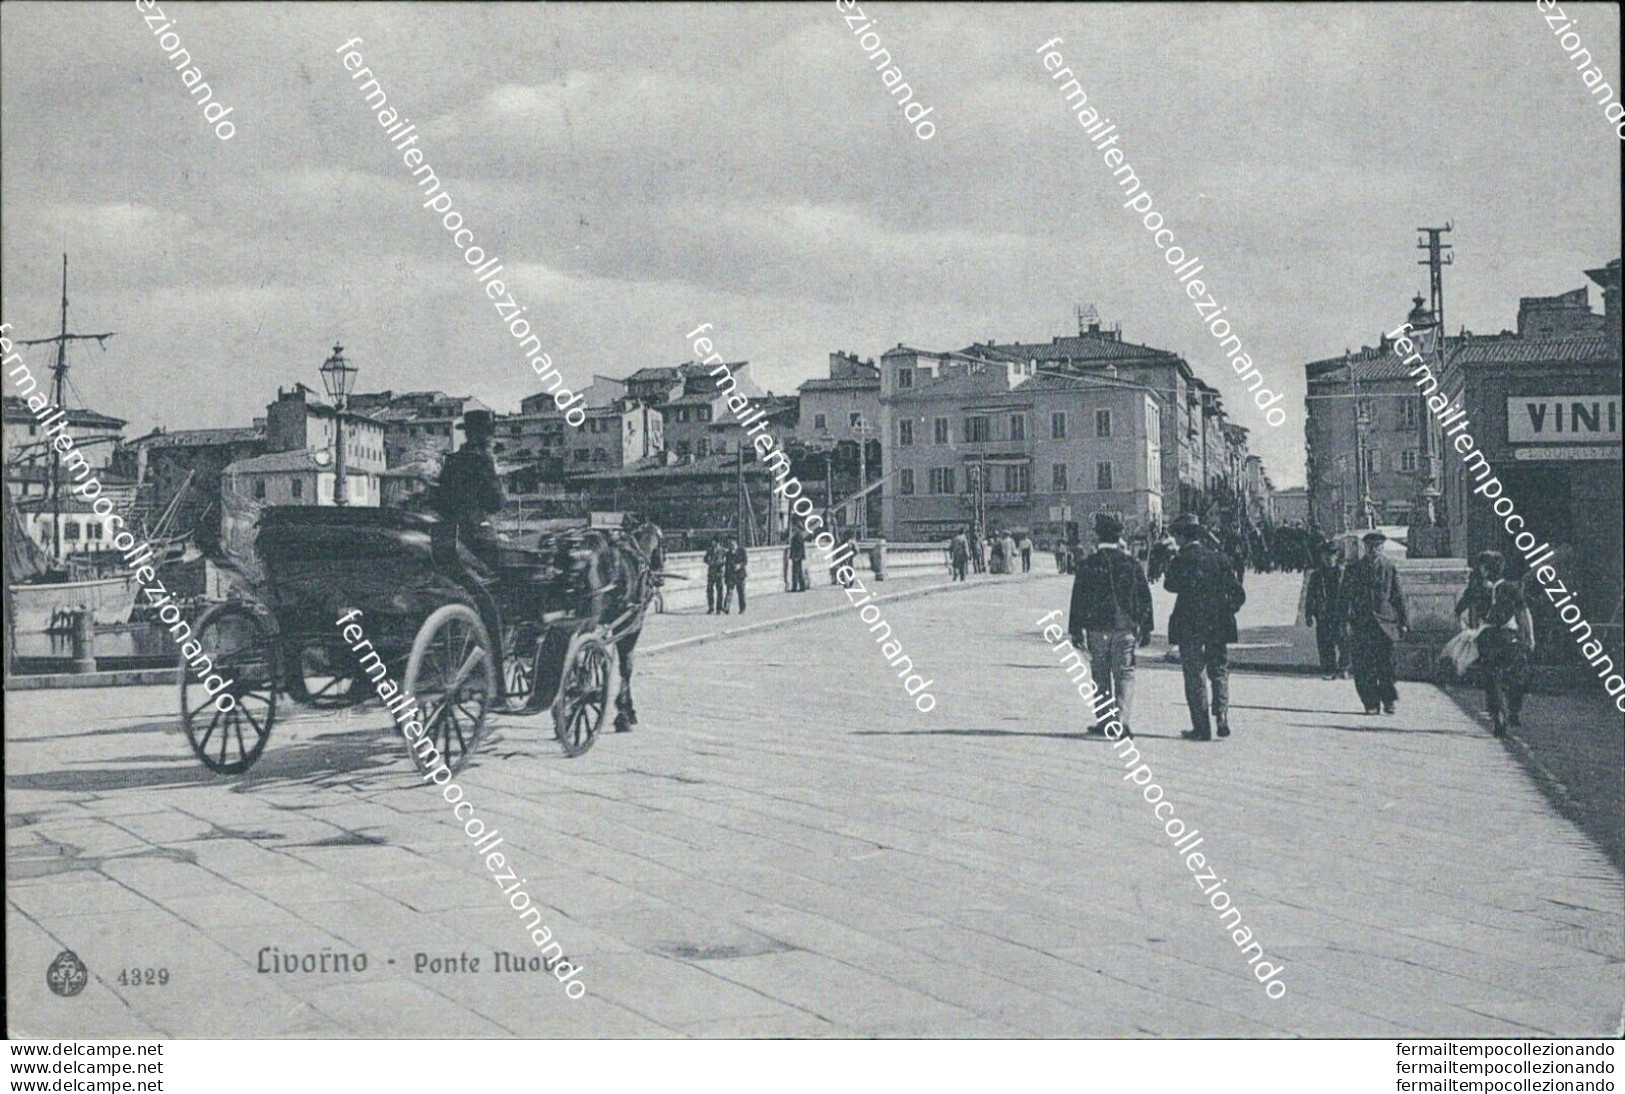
[(338, 376), (861, 430)]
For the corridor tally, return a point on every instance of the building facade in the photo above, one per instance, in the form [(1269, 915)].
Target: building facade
[(1545, 411), (301, 477), (1188, 406), (990, 442)]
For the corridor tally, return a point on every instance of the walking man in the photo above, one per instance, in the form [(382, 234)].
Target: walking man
[(1203, 624), (1375, 609), (1026, 547), (1111, 617), (798, 562), (715, 560), (1323, 610), (959, 554), (734, 563)]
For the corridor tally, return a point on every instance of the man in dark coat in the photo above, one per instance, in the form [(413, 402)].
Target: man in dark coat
[(734, 564), (1203, 624), (959, 554), (1111, 617), (469, 490), (716, 559), (1374, 606), (1323, 610), (798, 562)]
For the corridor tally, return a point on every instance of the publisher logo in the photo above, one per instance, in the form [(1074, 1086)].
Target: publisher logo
[(67, 974)]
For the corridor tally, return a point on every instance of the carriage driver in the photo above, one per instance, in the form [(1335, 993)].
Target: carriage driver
[(469, 490)]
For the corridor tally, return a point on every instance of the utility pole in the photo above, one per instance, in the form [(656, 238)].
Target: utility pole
[(1436, 261), (744, 499)]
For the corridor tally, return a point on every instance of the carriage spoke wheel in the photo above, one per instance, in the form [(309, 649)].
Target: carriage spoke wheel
[(518, 668), (452, 673), (242, 649), (583, 702)]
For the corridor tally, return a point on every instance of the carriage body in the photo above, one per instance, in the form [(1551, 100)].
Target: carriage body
[(436, 622)]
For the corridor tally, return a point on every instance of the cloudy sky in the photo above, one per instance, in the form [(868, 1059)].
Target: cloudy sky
[(644, 169)]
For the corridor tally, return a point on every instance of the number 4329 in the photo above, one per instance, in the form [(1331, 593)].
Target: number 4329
[(136, 978)]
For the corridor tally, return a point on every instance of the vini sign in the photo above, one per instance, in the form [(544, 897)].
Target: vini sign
[(1563, 419)]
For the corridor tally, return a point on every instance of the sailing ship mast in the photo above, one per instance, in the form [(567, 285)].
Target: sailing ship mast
[(59, 373)]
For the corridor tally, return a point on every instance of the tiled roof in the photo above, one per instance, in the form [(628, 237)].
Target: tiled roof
[(867, 384), (200, 438), (77, 416), (651, 374), (1375, 363), (1078, 348), (1049, 382), (1501, 349)]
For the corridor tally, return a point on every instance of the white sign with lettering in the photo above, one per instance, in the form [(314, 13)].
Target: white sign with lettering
[(1563, 419)]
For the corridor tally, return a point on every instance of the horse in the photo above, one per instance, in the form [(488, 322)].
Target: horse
[(623, 572)]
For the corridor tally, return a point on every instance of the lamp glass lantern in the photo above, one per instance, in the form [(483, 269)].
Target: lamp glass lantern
[(338, 376)]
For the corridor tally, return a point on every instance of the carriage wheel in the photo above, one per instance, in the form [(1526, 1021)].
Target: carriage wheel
[(452, 672), (242, 648), (324, 675), (519, 648), (583, 702)]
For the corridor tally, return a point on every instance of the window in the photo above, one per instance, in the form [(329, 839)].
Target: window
[(1057, 477), (582, 454), (513, 430), (1407, 414), (942, 480), (682, 450), (905, 481), (1103, 423), (702, 447), (70, 530), (1407, 460), (93, 531), (939, 430), (705, 414), (1103, 476), (905, 377), (259, 489), (820, 422), (1018, 427), (1017, 479), (905, 432), (854, 419), (978, 428), (1057, 425), (1366, 412), (298, 488)]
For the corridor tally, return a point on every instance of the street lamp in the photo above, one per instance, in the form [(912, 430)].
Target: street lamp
[(338, 377), (861, 430)]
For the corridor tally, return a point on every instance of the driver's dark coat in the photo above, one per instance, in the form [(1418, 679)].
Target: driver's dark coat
[(469, 490)]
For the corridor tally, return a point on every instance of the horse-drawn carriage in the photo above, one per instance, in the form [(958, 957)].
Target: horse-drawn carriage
[(551, 628)]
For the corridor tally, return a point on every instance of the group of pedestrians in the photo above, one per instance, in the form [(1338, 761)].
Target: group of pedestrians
[(1111, 618), (996, 553), (726, 563), (1358, 610)]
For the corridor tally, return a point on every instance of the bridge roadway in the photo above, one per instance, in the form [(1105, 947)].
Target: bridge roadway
[(786, 847)]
